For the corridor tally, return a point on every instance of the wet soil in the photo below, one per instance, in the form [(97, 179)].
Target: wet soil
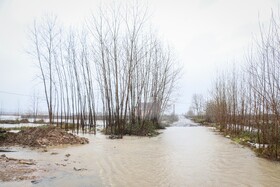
[(41, 137), (16, 169), (36, 137)]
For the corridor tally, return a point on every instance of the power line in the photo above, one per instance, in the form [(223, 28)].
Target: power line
[(18, 94)]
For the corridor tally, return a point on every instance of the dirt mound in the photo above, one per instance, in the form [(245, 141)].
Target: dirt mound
[(42, 136)]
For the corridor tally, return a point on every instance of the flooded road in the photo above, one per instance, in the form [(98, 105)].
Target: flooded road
[(183, 155)]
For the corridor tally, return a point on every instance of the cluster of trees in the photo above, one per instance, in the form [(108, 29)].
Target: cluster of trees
[(63, 61), (197, 106), (116, 57), (247, 99)]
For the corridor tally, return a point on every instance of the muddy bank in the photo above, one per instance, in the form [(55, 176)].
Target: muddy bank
[(13, 170), (41, 137), (16, 169)]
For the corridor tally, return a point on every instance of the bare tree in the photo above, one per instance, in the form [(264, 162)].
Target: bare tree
[(136, 74), (34, 107), (44, 39), (198, 104)]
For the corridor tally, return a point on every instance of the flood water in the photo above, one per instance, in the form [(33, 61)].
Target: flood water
[(182, 155)]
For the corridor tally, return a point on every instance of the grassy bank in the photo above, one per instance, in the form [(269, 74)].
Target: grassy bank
[(144, 128), (246, 138)]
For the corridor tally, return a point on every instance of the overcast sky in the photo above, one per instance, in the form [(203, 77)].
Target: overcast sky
[(207, 36)]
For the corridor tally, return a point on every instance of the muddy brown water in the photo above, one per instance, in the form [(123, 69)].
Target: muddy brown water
[(183, 155)]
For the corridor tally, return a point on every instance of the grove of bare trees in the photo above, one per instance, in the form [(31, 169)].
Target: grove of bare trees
[(197, 106), (246, 100), (116, 63)]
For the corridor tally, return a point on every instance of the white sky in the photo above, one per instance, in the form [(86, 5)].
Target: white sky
[(207, 35)]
